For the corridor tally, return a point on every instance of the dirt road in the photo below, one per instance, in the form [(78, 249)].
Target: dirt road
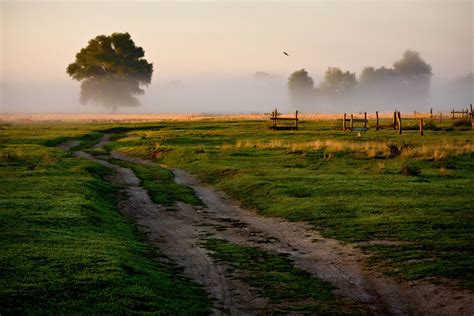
[(178, 235)]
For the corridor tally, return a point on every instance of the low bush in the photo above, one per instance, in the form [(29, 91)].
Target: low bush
[(409, 169), (462, 124)]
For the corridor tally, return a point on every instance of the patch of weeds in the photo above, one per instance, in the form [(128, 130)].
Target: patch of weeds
[(410, 169), (394, 150), (462, 124), (430, 125)]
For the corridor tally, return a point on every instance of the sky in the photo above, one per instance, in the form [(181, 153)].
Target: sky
[(216, 46)]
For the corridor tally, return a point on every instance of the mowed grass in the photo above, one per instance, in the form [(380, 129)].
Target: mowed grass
[(405, 197), (64, 247)]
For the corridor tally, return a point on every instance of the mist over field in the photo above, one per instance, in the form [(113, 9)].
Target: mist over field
[(228, 57), (218, 94)]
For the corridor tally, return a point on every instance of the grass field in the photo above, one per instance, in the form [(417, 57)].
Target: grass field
[(407, 199), (65, 248)]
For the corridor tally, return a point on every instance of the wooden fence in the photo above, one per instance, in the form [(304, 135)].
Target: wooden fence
[(275, 118)]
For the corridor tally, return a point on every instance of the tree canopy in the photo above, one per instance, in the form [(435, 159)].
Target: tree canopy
[(300, 86), (111, 70), (337, 82)]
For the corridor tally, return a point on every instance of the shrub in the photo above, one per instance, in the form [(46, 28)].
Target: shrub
[(462, 124), (394, 150), (409, 169), (431, 125)]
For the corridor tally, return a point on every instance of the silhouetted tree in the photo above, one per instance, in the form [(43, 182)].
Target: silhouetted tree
[(337, 83), (111, 70), (300, 87), (407, 83)]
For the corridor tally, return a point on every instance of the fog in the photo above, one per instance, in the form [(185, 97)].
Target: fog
[(227, 57), (223, 94)]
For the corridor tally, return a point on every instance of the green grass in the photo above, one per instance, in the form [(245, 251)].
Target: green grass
[(160, 184), (348, 194), (64, 247), (276, 278)]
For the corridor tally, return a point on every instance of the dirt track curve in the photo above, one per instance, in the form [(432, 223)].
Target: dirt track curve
[(178, 235)]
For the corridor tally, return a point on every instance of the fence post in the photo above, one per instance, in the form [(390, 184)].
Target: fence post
[(352, 121), (471, 114), (365, 120), (399, 123), (296, 119), (395, 119), (344, 122), (453, 114), (422, 127), (377, 120), (440, 116), (431, 113)]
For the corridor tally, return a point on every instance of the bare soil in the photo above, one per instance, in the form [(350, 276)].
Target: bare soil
[(178, 234)]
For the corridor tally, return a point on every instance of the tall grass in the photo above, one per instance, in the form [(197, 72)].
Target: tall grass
[(369, 149)]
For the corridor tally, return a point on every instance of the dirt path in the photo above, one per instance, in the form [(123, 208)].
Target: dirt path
[(341, 264), (176, 238), (178, 235)]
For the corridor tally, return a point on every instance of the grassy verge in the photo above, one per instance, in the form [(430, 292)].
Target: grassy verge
[(379, 186), (64, 248), (276, 278)]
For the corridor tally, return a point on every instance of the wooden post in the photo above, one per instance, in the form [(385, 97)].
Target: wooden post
[(365, 120), (377, 120), (296, 119), (352, 121), (395, 119), (344, 122), (399, 123), (452, 113), (431, 113), (421, 127), (471, 114), (440, 116)]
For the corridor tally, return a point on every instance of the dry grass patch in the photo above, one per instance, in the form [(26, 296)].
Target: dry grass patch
[(369, 149)]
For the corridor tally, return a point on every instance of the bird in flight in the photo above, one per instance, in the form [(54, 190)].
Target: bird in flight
[(286, 53)]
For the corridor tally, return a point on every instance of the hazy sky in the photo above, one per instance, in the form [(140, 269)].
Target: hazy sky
[(195, 39)]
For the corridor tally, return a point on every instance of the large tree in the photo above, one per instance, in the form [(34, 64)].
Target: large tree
[(111, 70)]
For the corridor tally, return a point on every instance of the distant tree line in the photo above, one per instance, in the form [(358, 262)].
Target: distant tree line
[(406, 83)]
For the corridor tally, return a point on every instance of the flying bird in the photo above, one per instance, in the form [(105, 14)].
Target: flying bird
[(286, 53)]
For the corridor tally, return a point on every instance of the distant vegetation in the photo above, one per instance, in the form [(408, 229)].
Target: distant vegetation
[(406, 83)]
